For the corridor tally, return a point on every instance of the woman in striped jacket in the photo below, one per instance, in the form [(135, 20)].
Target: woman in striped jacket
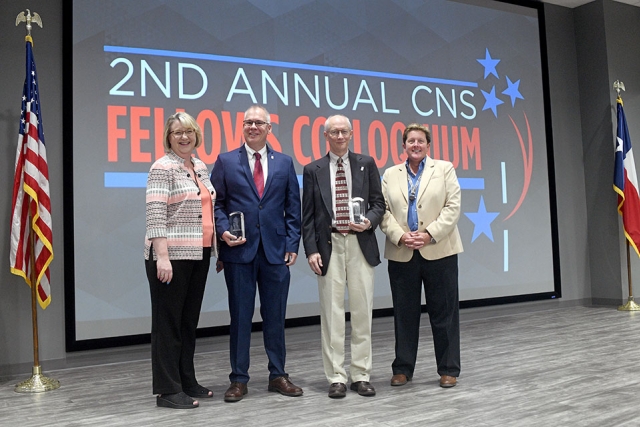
[(180, 241)]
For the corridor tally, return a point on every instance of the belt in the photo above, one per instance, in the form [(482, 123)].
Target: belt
[(335, 230)]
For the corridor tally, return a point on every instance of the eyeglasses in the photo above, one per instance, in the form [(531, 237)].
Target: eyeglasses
[(258, 123), (335, 132), (178, 133), (417, 141)]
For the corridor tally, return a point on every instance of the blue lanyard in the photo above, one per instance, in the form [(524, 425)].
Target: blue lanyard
[(413, 184)]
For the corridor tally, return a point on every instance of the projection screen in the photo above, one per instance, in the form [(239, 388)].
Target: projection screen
[(470, 70)]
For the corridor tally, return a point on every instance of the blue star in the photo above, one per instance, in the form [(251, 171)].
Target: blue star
[(513, 91), (482, 221), (489, 65), (491, 101)]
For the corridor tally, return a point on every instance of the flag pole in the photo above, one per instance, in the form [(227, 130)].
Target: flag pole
[(631, 304), (38, 382)]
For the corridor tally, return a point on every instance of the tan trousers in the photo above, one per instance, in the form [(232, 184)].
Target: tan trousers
[(348, 269)]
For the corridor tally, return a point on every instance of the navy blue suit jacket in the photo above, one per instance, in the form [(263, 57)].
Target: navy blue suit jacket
[(273, 219)]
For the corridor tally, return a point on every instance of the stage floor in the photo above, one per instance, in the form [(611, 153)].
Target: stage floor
[(527, 365)]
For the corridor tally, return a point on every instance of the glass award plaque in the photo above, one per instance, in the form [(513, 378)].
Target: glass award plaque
[(236, 219), (356, 210)]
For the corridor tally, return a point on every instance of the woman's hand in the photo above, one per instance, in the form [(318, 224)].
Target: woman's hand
[(165, 270), (163, 263), (414, 239)]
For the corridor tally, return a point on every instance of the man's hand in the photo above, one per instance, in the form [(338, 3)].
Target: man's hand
[(290, 258), (359, 228), (232, 240), (315, 262)]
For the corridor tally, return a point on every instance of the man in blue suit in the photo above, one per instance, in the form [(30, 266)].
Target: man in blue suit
[(262, 184)]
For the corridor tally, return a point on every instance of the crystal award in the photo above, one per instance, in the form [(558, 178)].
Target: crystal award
[(237, 224), (356, 210)]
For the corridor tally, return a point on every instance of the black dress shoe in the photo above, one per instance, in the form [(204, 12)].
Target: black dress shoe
[(337, 390), (364, 388)]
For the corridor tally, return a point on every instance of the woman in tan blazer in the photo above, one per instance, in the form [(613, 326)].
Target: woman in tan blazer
[(422, 199)]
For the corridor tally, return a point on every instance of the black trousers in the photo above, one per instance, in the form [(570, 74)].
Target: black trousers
[(175, 311), (440, 280)]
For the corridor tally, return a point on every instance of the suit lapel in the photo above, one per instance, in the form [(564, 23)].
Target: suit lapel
[(401, 180), (244, 163), (357, 175), (427, 173), (323, 177), (271, 168)]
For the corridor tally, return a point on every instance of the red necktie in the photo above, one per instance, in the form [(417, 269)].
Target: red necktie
[(342, 200), (258, 176)]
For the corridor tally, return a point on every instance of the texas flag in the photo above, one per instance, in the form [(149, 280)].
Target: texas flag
[(625, 182)]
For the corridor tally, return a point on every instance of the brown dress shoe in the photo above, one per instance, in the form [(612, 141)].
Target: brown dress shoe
[(284, 386), (364, 388), (235, 392), (447, 381), (399, 379), (337, 390)]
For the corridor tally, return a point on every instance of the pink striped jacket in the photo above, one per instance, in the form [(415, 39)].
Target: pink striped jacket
[(174, 208)]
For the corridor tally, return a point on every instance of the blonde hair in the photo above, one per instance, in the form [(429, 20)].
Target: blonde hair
[(185, 120)]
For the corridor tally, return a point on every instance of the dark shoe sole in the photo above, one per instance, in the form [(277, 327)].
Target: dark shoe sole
[(200, 393), (177, 403), (448, 385), (398, 384), (277, 390)]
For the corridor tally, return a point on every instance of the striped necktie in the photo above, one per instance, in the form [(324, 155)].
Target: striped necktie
[(342, 200)]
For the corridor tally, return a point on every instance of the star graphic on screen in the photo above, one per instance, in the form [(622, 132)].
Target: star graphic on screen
[(513, 91), (491, 101), (489, 64), (482, 221)]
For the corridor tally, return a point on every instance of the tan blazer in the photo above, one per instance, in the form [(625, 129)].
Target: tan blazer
[(438, 203)]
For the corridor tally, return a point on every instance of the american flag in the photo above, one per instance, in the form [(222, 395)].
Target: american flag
[(625, 182), (31, 205)]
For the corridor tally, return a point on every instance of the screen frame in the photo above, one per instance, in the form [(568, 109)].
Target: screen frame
[(74, 344)]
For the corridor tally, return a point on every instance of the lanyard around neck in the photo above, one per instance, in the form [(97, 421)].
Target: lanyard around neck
[(413, 185)]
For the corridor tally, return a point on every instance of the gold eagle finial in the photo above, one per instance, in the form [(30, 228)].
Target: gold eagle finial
[(28, 18)]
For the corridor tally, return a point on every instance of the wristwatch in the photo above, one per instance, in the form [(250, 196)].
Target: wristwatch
[(432, 241)]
